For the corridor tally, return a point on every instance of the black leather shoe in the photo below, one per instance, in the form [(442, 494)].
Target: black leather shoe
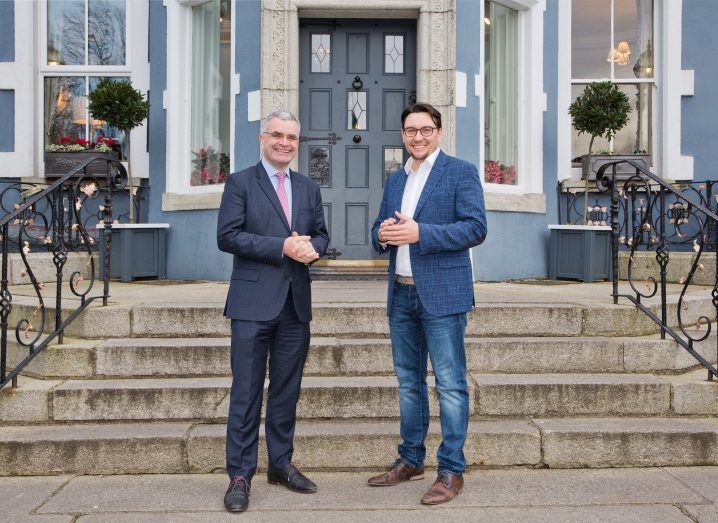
[(291, 478), (236, 499)]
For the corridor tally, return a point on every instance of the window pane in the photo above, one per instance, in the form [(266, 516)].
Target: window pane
[(636, 137), (320, 165), (106, 32), (394, 54), (321, 53), (99, 129), (65, 109), (66, 32), (210, 98), (356, 109), (590, 38), (393, 159), (633, 36), (501, 94)]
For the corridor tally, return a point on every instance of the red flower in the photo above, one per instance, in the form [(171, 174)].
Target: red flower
[(63, 139), (81, 141)]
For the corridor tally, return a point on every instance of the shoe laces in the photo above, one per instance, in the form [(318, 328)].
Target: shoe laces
[(239, 482)]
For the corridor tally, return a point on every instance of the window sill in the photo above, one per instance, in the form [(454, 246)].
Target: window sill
[(505, 202), (190, 202)]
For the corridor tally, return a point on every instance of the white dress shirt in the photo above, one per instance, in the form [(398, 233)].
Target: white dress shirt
[(415, 183)]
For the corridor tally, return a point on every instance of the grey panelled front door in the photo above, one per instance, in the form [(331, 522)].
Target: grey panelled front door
[(355, 78)]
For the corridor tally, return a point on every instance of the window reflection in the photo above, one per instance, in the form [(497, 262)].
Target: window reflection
[(321, 53), (66, 32), (106, 32), (356, 108)]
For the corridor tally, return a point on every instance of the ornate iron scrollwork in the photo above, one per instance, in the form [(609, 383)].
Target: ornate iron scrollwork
[(332, 139)]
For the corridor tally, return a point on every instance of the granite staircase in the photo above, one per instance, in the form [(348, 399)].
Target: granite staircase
[(143, 388)]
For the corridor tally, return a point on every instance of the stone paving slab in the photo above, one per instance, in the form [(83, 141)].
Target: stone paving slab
[(445, 514), (28, 402), (639, 491), (20, 496)]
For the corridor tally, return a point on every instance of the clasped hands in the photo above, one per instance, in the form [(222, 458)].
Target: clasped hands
[(398, 231), (299, 248)]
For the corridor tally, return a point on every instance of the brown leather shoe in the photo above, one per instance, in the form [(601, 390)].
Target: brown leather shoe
[(398, 472), (446, 487)]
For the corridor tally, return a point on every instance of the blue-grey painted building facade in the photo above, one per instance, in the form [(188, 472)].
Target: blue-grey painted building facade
[(502, 72)]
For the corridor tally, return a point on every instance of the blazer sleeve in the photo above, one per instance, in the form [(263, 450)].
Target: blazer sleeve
[(231, 234), (378, 247), (319, 234), (469, 229)]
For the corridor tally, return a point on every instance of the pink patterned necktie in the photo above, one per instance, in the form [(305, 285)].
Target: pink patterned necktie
[(282, 194)]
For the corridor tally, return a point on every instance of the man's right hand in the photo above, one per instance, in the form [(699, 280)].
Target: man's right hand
[(386, 223), (299, 248)]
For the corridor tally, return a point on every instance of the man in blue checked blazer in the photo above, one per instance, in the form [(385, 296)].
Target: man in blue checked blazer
[(431, 214)]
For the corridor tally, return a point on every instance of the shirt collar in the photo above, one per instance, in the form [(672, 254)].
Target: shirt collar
[(429, 161), (271, 170)]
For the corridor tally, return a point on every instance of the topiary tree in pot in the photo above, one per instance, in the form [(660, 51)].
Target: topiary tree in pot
[(600, 111), (124, 108)]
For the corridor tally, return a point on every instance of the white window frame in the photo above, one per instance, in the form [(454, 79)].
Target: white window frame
[(178, 99), (532, 99), (17, 76), (666, 145), (136, 67)]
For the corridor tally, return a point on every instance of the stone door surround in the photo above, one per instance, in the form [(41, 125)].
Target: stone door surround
[(436, 49)]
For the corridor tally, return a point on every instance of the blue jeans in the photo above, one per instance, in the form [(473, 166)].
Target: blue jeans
[(415, 334)]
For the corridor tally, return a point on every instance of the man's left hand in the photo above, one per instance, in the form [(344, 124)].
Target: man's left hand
[(405, 231)]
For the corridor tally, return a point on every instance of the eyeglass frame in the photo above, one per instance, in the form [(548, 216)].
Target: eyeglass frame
[(279, 136), (411, 132)]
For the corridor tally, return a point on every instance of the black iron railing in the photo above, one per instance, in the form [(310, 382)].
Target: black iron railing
[(54, 219), (647, 213)]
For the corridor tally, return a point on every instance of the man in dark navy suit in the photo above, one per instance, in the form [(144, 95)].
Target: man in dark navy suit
[(431, 214), (271, 219)]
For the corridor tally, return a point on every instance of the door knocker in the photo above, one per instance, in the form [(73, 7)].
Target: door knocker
[(357, 83)]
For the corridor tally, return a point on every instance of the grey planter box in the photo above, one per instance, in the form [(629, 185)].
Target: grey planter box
[(623, 171), (580, 252), (59, 164), (138, 251)]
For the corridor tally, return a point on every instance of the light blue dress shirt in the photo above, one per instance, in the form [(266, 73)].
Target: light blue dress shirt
[(271, 172)]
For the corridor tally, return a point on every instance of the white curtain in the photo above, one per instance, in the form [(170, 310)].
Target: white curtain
[(206, 76), (502, 85)]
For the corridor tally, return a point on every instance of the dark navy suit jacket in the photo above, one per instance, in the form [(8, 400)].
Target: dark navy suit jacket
[(452, 219), (252, 226)]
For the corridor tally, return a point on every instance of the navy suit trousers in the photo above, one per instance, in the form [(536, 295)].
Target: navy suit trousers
[(286, 341)]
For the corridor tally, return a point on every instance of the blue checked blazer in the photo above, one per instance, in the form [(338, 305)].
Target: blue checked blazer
[(452, 219)]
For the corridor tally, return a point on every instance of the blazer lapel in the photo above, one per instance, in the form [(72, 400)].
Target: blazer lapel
[(297, 197), (434, 176), (268, 188), (395, 203)]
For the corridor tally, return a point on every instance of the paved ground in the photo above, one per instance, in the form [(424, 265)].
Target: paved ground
[(360, 292), (608, 495)]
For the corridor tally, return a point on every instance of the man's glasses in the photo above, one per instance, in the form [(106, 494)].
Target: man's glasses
[(410, 132), (279, 136)]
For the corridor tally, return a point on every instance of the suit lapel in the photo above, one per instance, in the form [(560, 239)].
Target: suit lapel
[(268, 188), (434, 176), (297, 197), (395, 203)]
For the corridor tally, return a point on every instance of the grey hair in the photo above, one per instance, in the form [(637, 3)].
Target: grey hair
[(281, 114)]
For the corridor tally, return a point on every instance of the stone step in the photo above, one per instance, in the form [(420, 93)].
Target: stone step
[(138, 448), (367, 320), (329, 356), (370, 397)]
